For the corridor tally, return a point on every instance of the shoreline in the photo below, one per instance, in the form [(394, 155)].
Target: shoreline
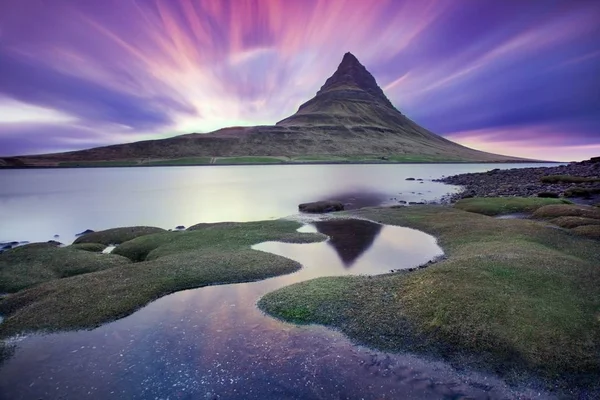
[(375, 162)]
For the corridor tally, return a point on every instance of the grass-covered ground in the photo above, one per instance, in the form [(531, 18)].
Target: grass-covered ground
[(511, 296), (117, 235), (505, 205), (307, 159), (249, 160), (181, 161), (165, 262)]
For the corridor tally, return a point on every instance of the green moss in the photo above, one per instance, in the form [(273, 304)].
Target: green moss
[(567, 210), (514, 295), (211, 254), (93, 247), (31, 265), (573, 222), (182, 161), (504, 205), (590, 231), (117, 235), (249, 160)]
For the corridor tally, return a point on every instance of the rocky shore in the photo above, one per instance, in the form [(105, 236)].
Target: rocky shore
[(577, 181)]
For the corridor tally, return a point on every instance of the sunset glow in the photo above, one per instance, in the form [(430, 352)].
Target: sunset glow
[(511, 77)]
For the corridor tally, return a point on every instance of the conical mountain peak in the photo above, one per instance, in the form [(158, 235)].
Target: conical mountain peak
[(352, 75)]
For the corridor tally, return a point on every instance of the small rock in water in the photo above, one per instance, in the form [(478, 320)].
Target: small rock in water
[(180, 227), (85, 232), (410, 179), (56, 236), (321, 206)]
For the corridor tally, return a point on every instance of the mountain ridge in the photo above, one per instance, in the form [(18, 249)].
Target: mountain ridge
[(350, 115)]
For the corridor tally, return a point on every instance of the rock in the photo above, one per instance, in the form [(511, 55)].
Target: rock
[(321, 206), (85, 232), (179, 227), (54, 243), (419, 179), (402, 202), (56, 236), (410, 179)]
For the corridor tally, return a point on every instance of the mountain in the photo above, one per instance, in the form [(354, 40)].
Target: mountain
[(350, 117)]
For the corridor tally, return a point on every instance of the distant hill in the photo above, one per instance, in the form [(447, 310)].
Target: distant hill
[(349, 119)]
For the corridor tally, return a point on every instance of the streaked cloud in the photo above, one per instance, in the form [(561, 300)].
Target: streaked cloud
[(126, 70)]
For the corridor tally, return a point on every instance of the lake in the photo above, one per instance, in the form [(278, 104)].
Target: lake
[(213, 342), (37, 204)]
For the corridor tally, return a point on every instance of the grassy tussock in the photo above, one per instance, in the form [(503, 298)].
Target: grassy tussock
[(567, 210), (574, 222), (514, 295), (591, 231), (117, 235), (504, 205), (93, 247), (172, 261), (32, 265)]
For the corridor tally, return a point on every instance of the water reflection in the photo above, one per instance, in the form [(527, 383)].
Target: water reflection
[(349, 237), (213, 342)]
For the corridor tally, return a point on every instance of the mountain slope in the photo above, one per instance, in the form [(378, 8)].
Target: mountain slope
[(350, 115)]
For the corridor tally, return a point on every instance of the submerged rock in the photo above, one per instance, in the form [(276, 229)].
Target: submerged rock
[(321, 206)]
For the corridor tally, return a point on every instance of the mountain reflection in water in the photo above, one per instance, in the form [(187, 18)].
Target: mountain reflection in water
[(349, 237)]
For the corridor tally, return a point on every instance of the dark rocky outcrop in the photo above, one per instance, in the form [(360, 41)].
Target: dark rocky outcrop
[(321, 206), (580, 181)]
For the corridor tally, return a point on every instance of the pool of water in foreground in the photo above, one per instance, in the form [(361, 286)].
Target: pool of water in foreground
[(213, 342)]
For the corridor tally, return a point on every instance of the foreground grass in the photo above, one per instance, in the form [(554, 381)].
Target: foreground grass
[(505, 205), (169, 261), (513, 295), (117, 235), (30, 265)]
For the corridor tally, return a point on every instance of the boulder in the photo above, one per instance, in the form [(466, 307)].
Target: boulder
[(410, 179), (321, 206), (85, 232)]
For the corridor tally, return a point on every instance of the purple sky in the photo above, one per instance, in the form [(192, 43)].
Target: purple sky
[(519, 77)]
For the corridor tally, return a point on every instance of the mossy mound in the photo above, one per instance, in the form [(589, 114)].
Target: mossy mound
[(505, 205), (33, 264), (93, 247), (513, 296), (170, 261), (117, 235), (567, 210), (573, 222), (590, 231)]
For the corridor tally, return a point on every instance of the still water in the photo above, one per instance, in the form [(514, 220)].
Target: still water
[(214, 343), (36, 205)]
